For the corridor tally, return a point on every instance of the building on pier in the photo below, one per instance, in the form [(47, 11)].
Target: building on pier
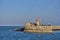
[(38, 27)]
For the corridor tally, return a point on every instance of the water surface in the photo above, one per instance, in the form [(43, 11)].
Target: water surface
[(7, 33)]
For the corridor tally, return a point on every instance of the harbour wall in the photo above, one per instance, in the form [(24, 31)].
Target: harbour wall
[(41, 28), (38, 29)]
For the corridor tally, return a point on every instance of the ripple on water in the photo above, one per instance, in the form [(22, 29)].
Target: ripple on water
[(12, 35)]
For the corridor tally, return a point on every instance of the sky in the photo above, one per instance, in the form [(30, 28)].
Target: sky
[(17, 12)]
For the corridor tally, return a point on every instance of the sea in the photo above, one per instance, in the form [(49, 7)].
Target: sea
[(8, 33)]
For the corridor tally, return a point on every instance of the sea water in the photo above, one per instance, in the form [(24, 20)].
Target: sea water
[(7, 33)]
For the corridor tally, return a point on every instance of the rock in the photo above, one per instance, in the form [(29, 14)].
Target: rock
[(19, 29)]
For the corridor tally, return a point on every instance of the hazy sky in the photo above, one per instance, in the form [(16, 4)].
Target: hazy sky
[(16, 12)]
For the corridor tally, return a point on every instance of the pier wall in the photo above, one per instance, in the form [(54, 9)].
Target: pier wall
[(38, 29), (56, 27), (33, 28)]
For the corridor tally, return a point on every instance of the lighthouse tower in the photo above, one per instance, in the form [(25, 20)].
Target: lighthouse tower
[(37, 21)]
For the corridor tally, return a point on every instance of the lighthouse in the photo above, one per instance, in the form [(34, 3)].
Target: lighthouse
[(37, 21)]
